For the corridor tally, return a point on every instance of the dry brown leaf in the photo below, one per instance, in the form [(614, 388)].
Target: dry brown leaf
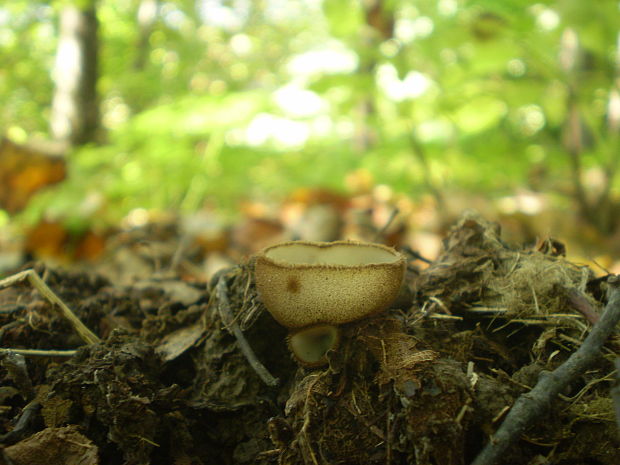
[(24, 171)]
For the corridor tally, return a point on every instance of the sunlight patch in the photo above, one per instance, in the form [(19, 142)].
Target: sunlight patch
[(299, 102), (407, 30), (414, 85), (332, 60), (285, 132)]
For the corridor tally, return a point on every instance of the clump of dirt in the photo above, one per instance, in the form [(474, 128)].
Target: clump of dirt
[(172, 381), (477, 271), (54, 446), (115, 384)]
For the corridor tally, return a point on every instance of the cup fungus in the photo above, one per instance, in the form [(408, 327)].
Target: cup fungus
[(312, 287)]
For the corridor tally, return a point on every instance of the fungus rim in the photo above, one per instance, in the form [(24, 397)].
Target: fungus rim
[(399, 259)]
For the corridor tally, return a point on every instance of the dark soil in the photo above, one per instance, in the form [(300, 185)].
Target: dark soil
[(427, 382)]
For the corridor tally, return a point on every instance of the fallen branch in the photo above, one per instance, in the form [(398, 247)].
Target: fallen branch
[(62, 309), (532, 404)]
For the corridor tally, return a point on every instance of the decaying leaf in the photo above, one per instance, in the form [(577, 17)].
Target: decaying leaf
[(24, 171)]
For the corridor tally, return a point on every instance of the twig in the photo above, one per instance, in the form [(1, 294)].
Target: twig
[(441, 316), (223, 306), (581, 304), (381, 232), (39, 353), (501, 413), (615, 393), (178, 253), (415, 255), (28, 415), (489, 312), (492, 311), (530, 405), (62, 309)]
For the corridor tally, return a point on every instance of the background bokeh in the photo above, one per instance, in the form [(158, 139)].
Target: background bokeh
[(512, 107)]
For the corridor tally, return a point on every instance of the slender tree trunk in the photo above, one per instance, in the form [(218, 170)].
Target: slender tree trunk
[(599, 207), (75, 109), (379, 27), (146, 17)]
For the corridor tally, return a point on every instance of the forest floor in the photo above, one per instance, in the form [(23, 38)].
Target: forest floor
[(157, 374)]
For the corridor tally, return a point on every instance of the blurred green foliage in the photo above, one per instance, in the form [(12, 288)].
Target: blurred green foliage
[(230, 100)]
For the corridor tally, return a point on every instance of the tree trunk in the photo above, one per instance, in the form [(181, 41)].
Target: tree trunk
[(75, 110), (380, 21), (146, 17)]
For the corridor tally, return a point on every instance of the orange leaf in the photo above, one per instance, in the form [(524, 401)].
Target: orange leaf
[(24, 171)]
